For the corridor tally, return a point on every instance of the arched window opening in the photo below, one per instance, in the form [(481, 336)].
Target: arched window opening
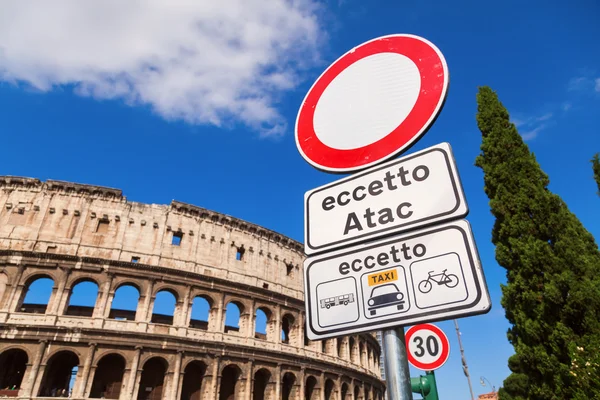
[(12, 368), (153, 379), (361, 352), (232, 317), (344, 391), (306, 340), (288, 387), (352, 345), (60, 374), (356, 392), (230, 383), (262, 391), (37, 296), (324, 346), (108, 378), (340, 347), (329, 386), (369, 359), (193, 378), (263, 316), (164, 308), (310, 390), (82, 299), (288, 334), (125, 303), (200, 311)]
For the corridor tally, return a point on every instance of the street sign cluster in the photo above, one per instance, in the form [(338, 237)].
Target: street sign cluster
[(387, 246)]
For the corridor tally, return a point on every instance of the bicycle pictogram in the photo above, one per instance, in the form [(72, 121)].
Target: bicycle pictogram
[(450, 280)]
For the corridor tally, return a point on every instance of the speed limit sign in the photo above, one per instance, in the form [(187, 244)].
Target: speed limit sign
[(427, 347)]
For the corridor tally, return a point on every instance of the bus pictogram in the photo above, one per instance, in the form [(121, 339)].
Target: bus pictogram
[(343, 299)]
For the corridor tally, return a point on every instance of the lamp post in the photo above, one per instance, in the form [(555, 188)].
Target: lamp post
[(482, 380)]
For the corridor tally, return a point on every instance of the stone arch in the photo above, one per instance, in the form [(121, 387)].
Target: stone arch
[(263, 385), (289, 329), (108, 378), (3, 284), (165, 302), (153, 379), (289, 389), (125, 302), (262, 323), (60, 370), (369, 357), (361, 353), (340, 347), (233, 316), (36, 301), (352, 346), (82, 298), (230, 386), (13, 363), (345, 391), (329, 389), (311, 388), (193, 380), (202, 308), (356, 392)]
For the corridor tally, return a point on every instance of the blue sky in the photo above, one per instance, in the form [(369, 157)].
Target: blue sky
[(224, 140)]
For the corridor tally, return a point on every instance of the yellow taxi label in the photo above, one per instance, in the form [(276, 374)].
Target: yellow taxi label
[(383, 277)]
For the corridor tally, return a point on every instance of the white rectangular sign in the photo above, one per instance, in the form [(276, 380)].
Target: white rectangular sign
[(423, 276), (417, 190)]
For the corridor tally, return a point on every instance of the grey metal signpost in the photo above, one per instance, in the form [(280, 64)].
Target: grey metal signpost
[(396, 364)]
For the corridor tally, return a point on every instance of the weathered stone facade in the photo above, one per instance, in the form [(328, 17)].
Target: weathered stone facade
[(72, 233)]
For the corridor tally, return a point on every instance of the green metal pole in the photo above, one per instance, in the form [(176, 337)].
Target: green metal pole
[(433, 392)]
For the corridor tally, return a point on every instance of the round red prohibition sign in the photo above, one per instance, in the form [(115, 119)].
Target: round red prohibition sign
[(372, 103), (427, 347)]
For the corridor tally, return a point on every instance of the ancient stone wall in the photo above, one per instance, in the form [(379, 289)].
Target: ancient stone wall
[(76, 234)]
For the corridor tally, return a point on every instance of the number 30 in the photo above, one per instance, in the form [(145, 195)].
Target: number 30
[(431, 343)]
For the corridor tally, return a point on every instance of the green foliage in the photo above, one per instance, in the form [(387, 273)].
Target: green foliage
[(596, 168), (552, 295)]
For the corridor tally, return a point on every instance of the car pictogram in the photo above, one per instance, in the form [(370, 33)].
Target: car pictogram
[(385, 296)]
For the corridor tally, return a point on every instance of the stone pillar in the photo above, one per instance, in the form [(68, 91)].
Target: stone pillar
[(249, 381), (142, 312), (58, 298), (35, 369), (302, 383), (218, 323), (100, 309), (322, 385), (215, 378), (176, 375), (79, 391), (15, 288), (278, 381), (184, 309), (133, 372), (251, 325), (278, 326), (339, 388)]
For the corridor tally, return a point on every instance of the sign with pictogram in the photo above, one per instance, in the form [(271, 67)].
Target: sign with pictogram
[(427, 347), (422, 276), (399, 195), (372, 103)]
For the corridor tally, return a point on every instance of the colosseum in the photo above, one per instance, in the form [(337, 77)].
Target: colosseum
[(125, 256)]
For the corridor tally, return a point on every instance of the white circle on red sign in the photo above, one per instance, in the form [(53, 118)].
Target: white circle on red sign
[(372, 103), (427, 347)]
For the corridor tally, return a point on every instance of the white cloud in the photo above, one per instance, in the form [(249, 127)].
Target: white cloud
[(533, 133), (584, 84), (201, 61), (597, 86), (533, 125)]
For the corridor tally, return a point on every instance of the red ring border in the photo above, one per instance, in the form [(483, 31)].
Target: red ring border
[(445, 347), (434, 83)]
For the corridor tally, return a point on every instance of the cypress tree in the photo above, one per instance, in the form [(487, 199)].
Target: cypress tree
[(596, 168), (552, 294)]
